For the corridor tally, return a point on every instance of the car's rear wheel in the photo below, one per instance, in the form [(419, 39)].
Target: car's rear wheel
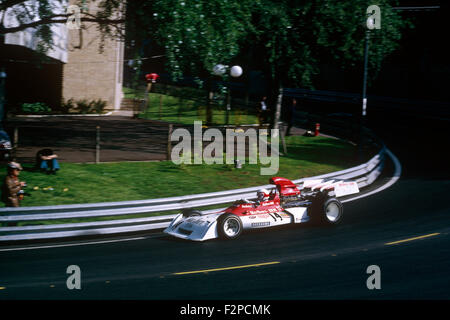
[(326, 210), (333, 211), (229, 226)]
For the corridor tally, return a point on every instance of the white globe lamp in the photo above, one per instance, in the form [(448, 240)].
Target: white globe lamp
[(219, 69), (236, 71)]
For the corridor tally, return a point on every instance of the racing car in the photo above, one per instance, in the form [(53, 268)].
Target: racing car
[(317, 201)]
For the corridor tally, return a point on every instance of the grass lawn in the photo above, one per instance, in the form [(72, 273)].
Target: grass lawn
[(186, 111), (89, 183)]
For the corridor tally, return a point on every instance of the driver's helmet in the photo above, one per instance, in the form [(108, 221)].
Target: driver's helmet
[(262, 194)]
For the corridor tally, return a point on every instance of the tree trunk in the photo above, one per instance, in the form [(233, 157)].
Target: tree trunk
[(209, 112), (277, 114), (209, 98)]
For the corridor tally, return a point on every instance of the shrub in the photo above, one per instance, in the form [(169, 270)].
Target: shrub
[(98, 105), (83, 106), (67, 106), (37, 107), (94, 106)]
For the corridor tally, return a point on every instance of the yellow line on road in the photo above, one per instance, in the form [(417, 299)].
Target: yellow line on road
[(2, 288), (228, 268), (412, 239)]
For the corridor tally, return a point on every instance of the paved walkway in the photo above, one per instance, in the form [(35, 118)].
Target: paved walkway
[(122, 138), (74, 138)]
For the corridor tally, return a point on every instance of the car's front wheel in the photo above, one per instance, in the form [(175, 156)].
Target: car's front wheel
[(229, 226)]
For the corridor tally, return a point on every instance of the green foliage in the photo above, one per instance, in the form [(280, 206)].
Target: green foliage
[(94, 106), (26, 12), (291, 36), (42, 14), (98, 106), (67, 106), (37, 107), (299, 34), (196, 35), (83, 106)]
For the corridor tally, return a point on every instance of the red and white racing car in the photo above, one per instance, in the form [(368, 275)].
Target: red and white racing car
[(286, 204)]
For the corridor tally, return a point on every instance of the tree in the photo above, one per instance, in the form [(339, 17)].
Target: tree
[(42, 14), (290, 37), (196, 35), (295, 35)]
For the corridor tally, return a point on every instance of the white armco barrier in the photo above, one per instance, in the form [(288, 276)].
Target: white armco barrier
[(364, 175)]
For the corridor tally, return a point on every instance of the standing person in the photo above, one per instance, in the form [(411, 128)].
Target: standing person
[(12, 186), (290, 115), (263, 110), (46, 161)]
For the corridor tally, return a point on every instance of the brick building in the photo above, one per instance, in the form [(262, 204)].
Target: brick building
[(90, 73), (76, 67)]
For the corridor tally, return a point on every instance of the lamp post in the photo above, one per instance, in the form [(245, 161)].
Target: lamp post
[(2, 95), (373, 22), (364, 94), (235, 72), (366, 58)]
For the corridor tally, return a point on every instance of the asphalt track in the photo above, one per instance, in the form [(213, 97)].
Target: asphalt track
[(404, 229)]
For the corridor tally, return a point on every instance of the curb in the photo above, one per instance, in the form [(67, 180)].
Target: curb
[(62, 115)]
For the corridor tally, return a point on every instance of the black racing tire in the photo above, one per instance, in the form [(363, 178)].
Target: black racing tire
[(333, 211), (229, 226), (327, 210), (190, 213)]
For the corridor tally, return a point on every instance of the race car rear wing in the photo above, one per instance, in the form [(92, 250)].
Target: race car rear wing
[(341, 188)]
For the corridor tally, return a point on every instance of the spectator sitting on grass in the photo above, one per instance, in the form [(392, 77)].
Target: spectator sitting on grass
[(46, 161)]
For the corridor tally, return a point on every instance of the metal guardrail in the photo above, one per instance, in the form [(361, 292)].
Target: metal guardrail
[(412, 107), (364, 174)]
